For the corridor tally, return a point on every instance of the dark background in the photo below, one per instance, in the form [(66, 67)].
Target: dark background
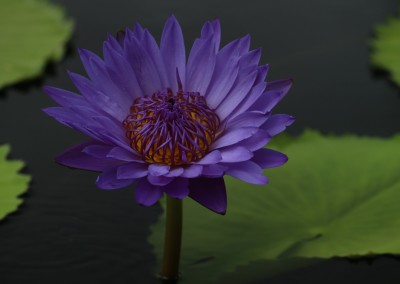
[(68, 231)]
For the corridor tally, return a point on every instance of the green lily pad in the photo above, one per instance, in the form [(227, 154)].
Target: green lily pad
[(337, 196), (32, 32), (12, 184), (386, 48)]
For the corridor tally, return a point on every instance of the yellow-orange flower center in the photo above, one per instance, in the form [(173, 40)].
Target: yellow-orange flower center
[(171, 129)]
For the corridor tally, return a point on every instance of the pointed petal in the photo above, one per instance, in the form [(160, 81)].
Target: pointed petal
[(209, 192), (213, 29), (176, 172), (200, 65), (121, 72), (158, 170), (143, 65), (99, 76), (213, 171), (122, 154), (247, 171), (234, 136), (211, 158), (247, 119), (235, 154), (97, 99), (273, 94), (252, 96), (155, 53), (173, 51), (97, 151), (75, 158), (64, 98), (224, 75), (147, 194), (109, 180), (179, 188), (192, 171), (268, 158), (132, 171), (159, 180), (236, 95), (257, 141), (277, 123)]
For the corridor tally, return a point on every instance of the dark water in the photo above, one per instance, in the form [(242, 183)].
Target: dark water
[(68, 231)]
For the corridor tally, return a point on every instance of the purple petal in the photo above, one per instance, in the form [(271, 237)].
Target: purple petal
[(262, 73), (173, 51), (158, 170), (159, 180), (277, 123), (117, 41), (64, 98), (132, 171), (88, 58), (257, 141), (211, 158), (176, 172), (209, 192), (244, 45), (250, 59), (247, 119), (124, 155), (200, 65), (97, 99), (75, 158), (122, 74), (109, 180), (143, 65), (147, 194), (73, 120), (224, 75), (138, 32), (82, 119), (97, 151), (179, 188), (236, 95), (97, 71), (248, 101), (155, 54), (273, 94), (233, 136), (192, 171), (235, 154), (214, 171), (268, 158), (247, 171), (213, 29)]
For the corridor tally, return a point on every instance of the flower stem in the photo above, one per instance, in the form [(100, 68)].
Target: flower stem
[(173, 237)]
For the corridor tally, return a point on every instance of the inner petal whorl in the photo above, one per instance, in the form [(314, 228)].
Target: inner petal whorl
[(171, 129)]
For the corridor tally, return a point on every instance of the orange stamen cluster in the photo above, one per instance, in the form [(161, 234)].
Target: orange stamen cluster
[(171, 129)]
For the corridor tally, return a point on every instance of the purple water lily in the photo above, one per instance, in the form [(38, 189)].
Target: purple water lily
[(173, 126)]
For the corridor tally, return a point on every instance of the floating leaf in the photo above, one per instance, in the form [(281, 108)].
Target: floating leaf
[(12, 184), (32, 32), (335, 197), (386, 47)]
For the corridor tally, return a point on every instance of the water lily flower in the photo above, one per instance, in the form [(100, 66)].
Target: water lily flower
[(172, 124)]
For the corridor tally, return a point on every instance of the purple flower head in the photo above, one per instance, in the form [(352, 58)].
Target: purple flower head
[(173, 126)]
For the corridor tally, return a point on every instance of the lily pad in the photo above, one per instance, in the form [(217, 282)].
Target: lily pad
[(337, 196), (386, 48), (12, 184), (32, 32)]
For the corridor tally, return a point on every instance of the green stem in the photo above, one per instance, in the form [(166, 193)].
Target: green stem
[(173, 237)]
